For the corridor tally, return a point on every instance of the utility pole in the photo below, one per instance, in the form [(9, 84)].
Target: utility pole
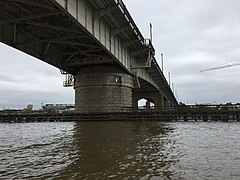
[(173, 88), (169, 79), (162, 60), (151, 32)]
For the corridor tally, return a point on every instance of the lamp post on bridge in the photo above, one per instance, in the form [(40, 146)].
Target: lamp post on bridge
[(162, 60), (151, 32)]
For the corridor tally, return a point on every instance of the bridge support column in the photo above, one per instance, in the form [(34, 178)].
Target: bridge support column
[(159, 100), (102, 88), (167, 103), (135, 100), (148, 105)]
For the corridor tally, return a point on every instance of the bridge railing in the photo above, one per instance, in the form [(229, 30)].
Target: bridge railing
[(188, 108), (130, 19), (170, 111)]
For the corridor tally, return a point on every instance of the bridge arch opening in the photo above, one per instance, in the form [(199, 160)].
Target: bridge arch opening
[(145, 103)]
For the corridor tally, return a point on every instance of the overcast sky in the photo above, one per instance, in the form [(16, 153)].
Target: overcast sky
[(192, 34)]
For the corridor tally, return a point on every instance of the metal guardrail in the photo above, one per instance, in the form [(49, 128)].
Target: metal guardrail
[(131, 21), (188, 108), (165, 116)]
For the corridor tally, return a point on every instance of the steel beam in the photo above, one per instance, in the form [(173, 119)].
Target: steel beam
[(56, 39), (102, 12), (80, 52), (52, 27), (34, 3), (46, 50), (76, 44), (120, 29), (14, 34), (19, 19), (129, 43), (140, 51)]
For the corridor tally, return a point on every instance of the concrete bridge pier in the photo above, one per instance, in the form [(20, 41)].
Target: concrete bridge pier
[(102, 88), (167, 103)]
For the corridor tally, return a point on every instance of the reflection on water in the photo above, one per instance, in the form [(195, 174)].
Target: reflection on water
[(120, 150), (124, 150)]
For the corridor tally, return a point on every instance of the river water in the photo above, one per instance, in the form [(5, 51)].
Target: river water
[(120, 150)]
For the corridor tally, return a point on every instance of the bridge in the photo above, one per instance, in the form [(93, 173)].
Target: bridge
[(96, 42)]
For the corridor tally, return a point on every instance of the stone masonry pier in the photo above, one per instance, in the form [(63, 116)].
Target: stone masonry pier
[(102, 88)]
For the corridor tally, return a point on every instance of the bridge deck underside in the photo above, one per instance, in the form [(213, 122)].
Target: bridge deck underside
[(43, 31), (47, 31)]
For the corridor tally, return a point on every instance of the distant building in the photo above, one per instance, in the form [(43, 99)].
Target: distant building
[(29, 108), (58, 107)]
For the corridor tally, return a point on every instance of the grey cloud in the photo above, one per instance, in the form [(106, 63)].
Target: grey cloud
[(27, 80), (195, 35)]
